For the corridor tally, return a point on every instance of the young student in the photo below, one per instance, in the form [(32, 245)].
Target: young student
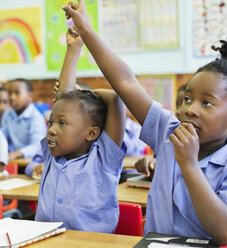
[(23, 125), (188, 194), (82, 154), (4, 102), (3, 154), (146, 164)]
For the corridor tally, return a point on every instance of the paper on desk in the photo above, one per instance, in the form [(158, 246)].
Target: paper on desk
[(13, 183), (158, 245), (22, 230)]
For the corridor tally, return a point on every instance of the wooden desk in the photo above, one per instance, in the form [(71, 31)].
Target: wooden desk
[(21, 162), (27, 193), (132, 195), (87, 240), (30, 193)]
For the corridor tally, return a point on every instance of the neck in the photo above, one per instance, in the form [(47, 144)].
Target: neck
[(207, 149)]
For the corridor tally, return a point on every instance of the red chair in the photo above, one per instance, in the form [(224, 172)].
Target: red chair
[(130, 219), (142, 226), (10, 209), (1, 206)]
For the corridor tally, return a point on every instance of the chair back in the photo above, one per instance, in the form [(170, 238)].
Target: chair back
[(130, 219), (12, 168)]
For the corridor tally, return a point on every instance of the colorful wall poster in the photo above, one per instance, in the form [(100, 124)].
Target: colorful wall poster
[(120, 24), (161, 88), (209, 25), (20, 35), (56, 28), (137, 25)]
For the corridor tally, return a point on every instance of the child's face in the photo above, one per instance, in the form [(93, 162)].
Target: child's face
[(4, 101), (19, 96), (205, 106), (67, 130)]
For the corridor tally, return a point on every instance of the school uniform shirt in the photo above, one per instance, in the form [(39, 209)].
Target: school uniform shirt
[(37, 159), (81, 192), (3, 149), (25, 131), (169, 206), (131, 138)]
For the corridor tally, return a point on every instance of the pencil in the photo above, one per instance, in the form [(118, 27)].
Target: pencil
[(8, 239)]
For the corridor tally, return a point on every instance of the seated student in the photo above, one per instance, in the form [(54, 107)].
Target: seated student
[(188, 194), (4, 102), (3, 154), (146, 164), (82, 154), (23, 125)]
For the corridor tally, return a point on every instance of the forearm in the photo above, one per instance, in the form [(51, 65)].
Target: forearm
[(210, 209), (116, 115), (118, 74), (67, 77)]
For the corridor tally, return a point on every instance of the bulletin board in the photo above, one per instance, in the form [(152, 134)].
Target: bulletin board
[(56, 27), (20, 35), (209, 25), (161, 88), (137, 25)]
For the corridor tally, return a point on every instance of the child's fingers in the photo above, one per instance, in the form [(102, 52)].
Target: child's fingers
[(174, 139), (190, 128)]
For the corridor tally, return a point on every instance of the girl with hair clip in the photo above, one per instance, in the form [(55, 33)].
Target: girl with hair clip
[(188, 195)]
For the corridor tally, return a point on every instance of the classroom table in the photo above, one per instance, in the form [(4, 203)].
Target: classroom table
[(30, 193), (27, 193), (87, 239), (132, 194), (21, 162)]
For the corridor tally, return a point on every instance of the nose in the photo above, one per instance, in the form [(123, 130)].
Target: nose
[(52, 130), (192, 110)]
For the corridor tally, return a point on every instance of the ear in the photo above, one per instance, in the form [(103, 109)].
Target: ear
[(30, 96), (93, 133)]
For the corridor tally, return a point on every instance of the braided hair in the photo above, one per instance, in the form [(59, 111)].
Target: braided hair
[(91, 105), (219, 65)]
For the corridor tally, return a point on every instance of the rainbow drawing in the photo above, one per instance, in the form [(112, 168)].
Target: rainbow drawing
[(18, 43)]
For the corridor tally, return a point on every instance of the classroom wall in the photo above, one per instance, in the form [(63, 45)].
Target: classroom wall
[(168, 61)]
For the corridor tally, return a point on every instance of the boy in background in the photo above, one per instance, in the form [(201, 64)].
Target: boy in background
[(4, 102), (23, 125)]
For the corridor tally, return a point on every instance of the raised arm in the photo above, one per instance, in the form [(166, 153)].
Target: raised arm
[(116, 115), (67, 79), (118, 74)]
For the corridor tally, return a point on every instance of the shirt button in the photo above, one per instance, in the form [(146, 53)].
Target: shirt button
[(62, 170), (60, 201)]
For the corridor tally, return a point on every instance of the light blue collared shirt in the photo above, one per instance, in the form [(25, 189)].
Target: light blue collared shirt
[(169, 206), (131, 138), (37, 159), (25, 131), (81, 192)]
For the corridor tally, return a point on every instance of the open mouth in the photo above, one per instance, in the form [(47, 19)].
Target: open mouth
[(51, 143)]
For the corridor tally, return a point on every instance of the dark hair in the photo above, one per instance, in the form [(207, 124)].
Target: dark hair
[(220, 64), (27, 82), (3, 89), (182, 88), (91, 105)]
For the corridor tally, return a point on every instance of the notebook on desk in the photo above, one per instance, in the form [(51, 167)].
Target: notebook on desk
[(140, 181), (19, 233), (157, 240)]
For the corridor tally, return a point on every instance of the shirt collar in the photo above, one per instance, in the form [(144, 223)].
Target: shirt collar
[(219, 158)]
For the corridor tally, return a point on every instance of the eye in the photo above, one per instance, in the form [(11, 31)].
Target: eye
[(207, 103), (62, 123), (50, 123), (187, 99)]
